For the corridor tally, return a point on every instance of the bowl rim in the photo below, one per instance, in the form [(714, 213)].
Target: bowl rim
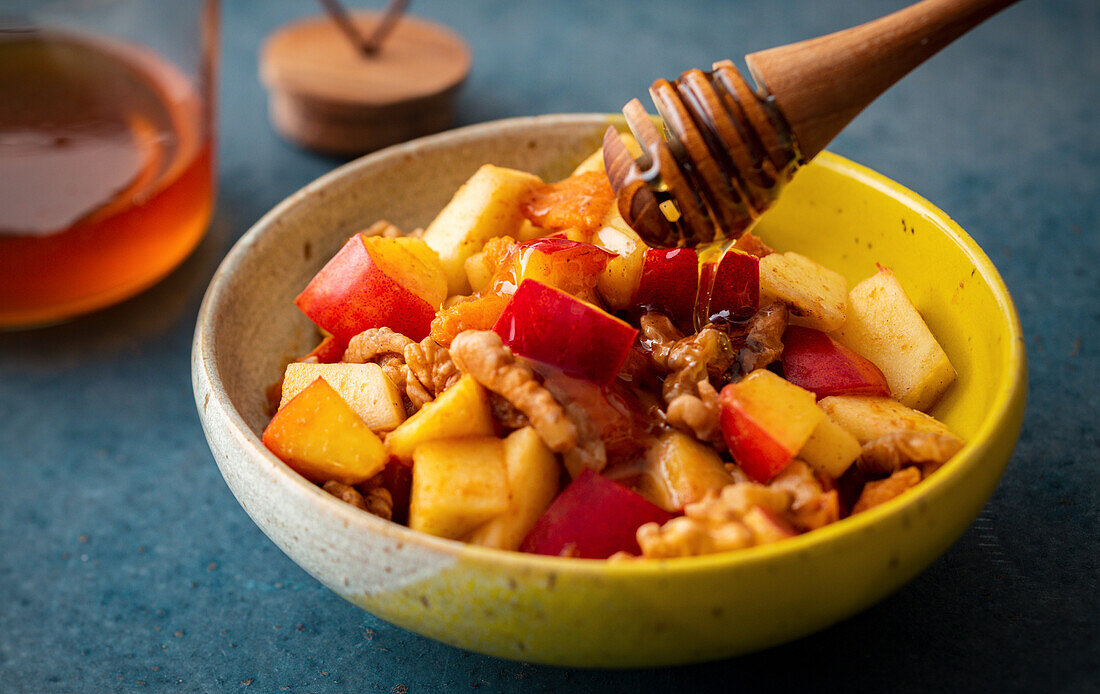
[(1010, 389)]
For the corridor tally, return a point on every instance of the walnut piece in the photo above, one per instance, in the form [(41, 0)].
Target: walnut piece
[(712, 524), (696, 414), (764, 342), (382, 228), (881, 491), (346, 493), (482, 354), (890, 453), (432, 365), (811, 506), (371, 343), (687, 360)]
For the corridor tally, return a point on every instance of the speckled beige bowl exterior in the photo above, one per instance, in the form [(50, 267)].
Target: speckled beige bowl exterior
[(580, 612)]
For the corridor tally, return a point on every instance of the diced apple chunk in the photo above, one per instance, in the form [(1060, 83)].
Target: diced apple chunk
[(830, 450), (321, 438), (478, 272), (457, 485), (622, 275), (766, 421), (868, 417), (430, 281), (884, 327), (461, 410), (487, 205), (680, 470), (533, 479), (815, 295), (363, 386)]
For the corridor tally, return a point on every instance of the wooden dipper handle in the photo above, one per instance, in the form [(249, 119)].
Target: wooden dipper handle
[(821, 84)]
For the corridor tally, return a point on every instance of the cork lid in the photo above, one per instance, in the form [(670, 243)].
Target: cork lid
[(328, 94)]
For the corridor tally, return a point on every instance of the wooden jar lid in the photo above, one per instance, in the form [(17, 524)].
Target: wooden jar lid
[(328, 96)]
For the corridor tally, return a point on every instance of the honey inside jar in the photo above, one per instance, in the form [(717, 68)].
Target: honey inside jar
[(105, 173)]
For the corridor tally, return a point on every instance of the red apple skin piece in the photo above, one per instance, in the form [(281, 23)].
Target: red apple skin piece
[(669, 284), (352, 292), (559, 244), (328, 351), (548, 325), (592, 518), (732, 287), (760, 456), (814, 361)]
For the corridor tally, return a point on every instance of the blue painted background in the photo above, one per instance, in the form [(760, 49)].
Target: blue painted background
[(125, 563)]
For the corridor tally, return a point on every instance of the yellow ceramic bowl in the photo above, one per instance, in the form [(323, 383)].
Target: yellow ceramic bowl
[(582, 612)]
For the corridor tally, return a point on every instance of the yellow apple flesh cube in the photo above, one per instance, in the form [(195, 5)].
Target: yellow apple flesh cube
[(461, 410), (457, 485), (433, 280), (478, 272), (412, 265), (364, 387), (321, 438), (533, 480), (788, 413), (684, 469), (623, 273), (486, 205), (868, 417), (816, 296), (830, 450), (884, 327)]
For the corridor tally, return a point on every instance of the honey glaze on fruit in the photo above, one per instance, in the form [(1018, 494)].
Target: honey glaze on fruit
[(105, 173), (570, 390)]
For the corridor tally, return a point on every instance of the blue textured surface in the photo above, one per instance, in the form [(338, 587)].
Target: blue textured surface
[(125, 563)]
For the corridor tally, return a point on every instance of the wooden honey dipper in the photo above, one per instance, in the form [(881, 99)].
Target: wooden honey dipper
[(730, 148)]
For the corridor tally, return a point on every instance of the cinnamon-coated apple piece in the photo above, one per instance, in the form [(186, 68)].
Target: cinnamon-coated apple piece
[(487, 205), (814, 361), (669, 284), (868, 417), (550, 326), (814, 295), (373, 282), (766, 421), (321, 438), (461, 410), (831, 449), (883, 325), (679, 470), (592, 518), (364, 387), (533, 478), (457, 485)]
